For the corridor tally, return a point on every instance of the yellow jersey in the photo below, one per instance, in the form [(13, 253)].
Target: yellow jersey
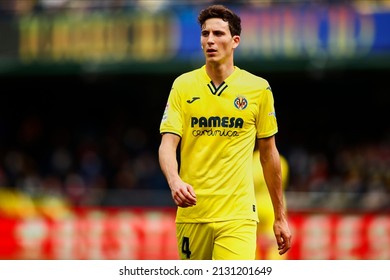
[(218, 127)]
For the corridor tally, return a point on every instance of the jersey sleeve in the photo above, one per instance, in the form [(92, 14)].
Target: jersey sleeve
[(266, 123), (172, 121)]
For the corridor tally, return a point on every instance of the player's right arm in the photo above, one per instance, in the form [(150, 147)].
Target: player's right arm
[(182, 193)]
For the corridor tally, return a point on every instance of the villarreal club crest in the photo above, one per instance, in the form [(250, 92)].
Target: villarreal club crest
[(240, 102)]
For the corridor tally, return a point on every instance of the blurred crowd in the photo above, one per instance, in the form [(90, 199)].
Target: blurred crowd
[(52, 169), (46, 163), (22, 7), (353, 177)]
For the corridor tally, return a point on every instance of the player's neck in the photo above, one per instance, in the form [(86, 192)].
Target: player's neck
[(219, 72)]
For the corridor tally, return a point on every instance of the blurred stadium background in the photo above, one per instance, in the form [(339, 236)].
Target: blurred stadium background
[(83, 87)]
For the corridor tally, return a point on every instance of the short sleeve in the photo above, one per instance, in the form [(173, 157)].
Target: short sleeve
[(266, 123), (172, 121)]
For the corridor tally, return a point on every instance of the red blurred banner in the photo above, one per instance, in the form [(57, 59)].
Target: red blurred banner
[(149, 234), (91, 234), (340, 236)]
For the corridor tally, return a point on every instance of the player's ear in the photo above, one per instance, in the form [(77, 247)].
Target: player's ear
[(236, 41)]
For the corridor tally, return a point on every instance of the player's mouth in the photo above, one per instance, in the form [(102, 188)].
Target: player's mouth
[(211, 51)]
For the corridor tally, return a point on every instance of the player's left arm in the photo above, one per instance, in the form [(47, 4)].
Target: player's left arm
[(270, 161)]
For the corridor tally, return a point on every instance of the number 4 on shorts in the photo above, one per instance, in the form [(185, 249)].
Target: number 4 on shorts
[(185, 247)]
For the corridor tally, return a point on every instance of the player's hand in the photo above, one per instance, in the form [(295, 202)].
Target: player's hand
[(183, 194), (282, 235)]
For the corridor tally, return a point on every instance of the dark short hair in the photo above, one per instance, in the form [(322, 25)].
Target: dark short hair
[(220, 11)]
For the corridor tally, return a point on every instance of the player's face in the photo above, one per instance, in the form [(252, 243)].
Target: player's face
[(217, 42)]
